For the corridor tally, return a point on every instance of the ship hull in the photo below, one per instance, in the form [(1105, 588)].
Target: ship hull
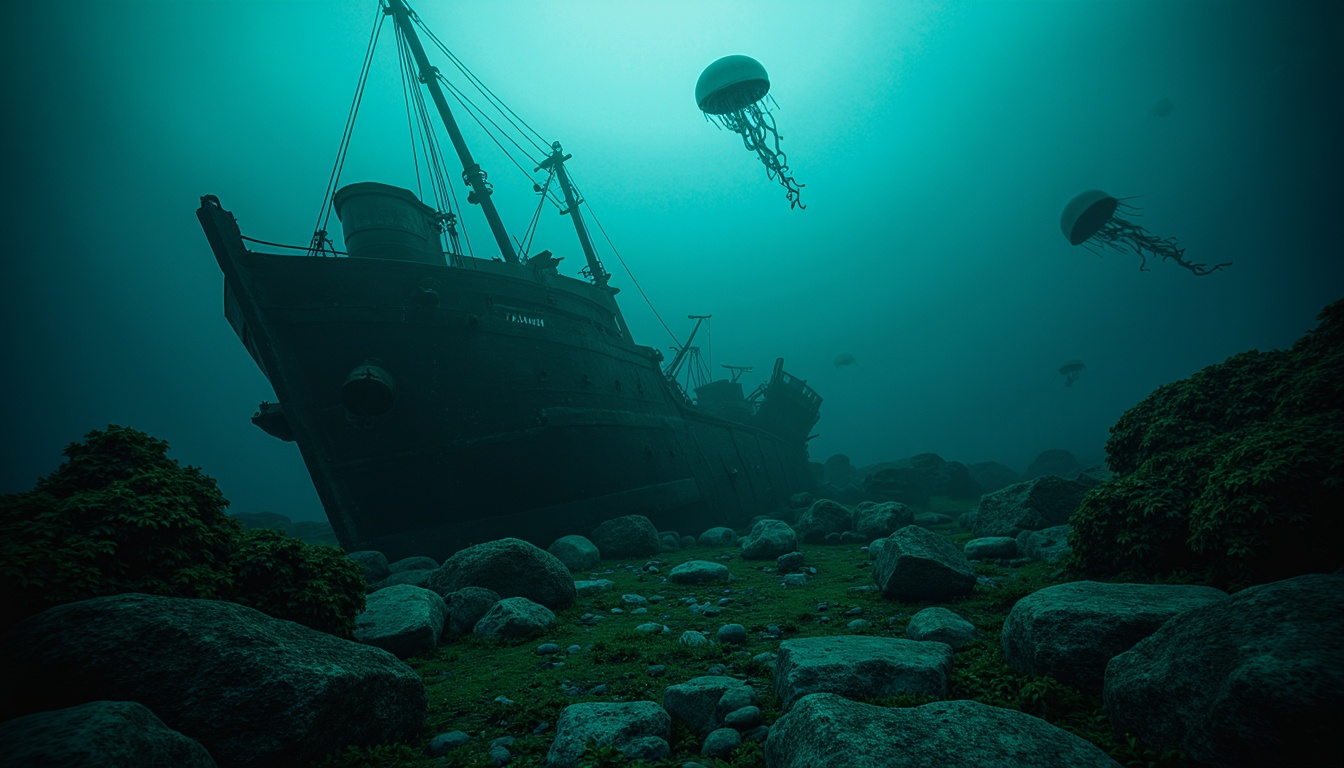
[(510, 402)]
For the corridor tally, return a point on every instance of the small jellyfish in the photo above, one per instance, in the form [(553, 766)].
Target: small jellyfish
[(845, 359), (732, 92), (1071, 370), (1095, 219)]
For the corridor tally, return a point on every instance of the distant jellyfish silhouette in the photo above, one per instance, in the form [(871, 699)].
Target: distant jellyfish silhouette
[(845, 358), (1071, 370), (1094, 219), (732, 92), (1162, 108)]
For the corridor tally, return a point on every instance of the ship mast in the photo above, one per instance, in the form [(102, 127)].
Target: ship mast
[(471, 171), (556, 161)]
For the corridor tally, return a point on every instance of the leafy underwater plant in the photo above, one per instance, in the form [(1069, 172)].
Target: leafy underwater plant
[(1235, 474), (120, 516)]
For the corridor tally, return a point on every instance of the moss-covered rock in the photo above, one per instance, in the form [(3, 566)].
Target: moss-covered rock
[(1235, 474)]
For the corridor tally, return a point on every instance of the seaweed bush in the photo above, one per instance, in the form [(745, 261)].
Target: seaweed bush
[(1235, 474), (120, 516)]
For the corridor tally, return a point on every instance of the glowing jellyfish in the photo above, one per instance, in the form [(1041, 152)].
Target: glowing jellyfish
[(732, 92), (1071, 370), (1095, 219)]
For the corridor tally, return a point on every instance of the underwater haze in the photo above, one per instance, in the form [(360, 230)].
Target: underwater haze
[(927, 292)]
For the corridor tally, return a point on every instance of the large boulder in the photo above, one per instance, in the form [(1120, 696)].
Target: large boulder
[(627, 536), (467, 605), (940, 625), (576, 552), (1254, 680), (916, 564), (718, 537), (991, 548), (1070, 631), (403, 620), (861, 667), (913, 480), (1055, 461), (828, 731), (374, 563), (891, 483), (704, 703), (769, 539), (641, 730), (253, 690), (699, 572), (838, 470), (1028, 506), (873, 520), (823, 517), (1048, 544), (413, 577), (991, 476), (513, 618), (510, 568), (101, 734)]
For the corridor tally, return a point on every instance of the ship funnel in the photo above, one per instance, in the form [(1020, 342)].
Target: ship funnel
[(385, 222), (368, 391)]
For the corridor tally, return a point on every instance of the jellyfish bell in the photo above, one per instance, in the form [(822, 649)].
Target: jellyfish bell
[(731, 83), (1071, 370), (1094, 219), (731, 93)]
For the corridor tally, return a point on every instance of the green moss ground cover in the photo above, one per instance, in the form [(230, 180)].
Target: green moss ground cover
[(466, 677)]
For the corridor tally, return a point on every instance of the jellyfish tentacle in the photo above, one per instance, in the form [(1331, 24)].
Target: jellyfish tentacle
[(757, 127)]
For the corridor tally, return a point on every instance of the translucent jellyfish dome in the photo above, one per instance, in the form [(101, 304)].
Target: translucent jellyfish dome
[(731, 93)]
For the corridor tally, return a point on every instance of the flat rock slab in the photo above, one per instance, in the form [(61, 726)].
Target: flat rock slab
[(916, 564), (705, 702), (510, 568), (252, 689), (1254, 680), (827, 731), (699, 572), (860, 667), (100, 733), (1038, 503), (1070, 631), (639, 729), (403, 620)]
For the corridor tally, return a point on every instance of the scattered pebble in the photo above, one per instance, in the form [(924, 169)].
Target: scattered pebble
[(446, 742), (693, 639), (547, 648)]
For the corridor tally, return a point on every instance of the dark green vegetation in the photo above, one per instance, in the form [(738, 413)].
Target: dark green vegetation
[(465, 676), (120, 516), (1234, 476)]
